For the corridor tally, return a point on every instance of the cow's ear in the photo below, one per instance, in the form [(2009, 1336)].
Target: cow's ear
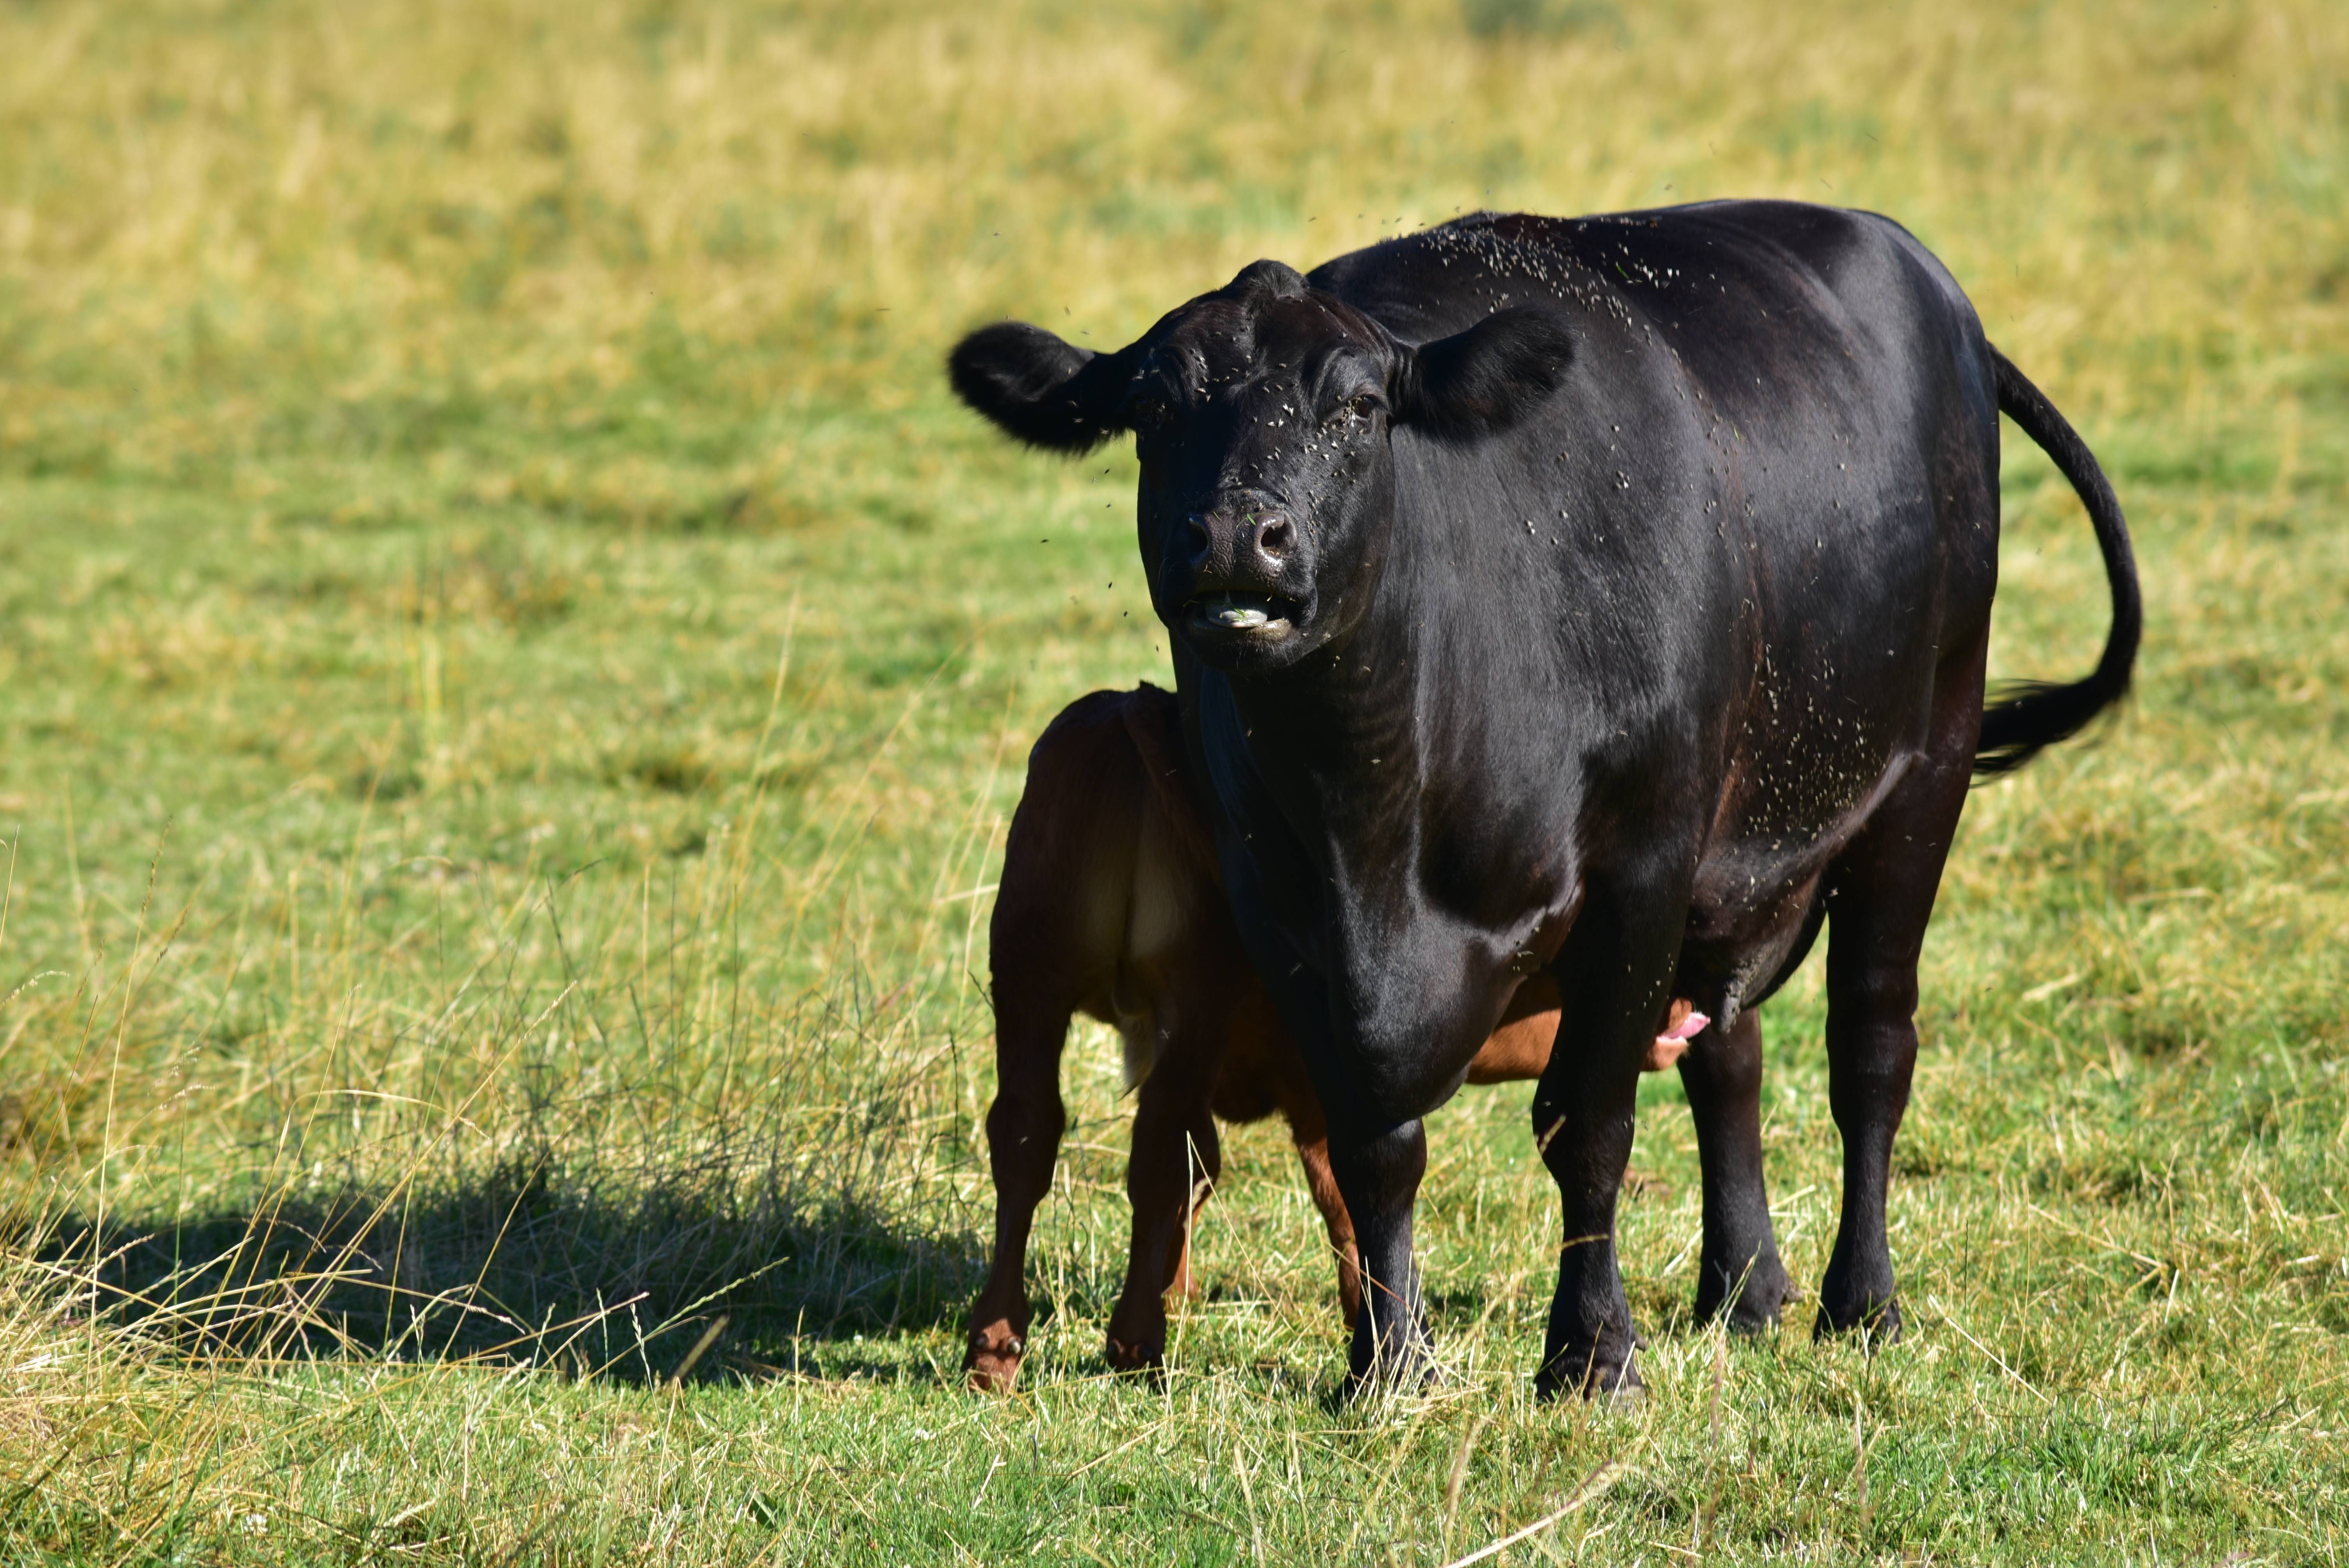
[(1484, 379), (1040, 388)]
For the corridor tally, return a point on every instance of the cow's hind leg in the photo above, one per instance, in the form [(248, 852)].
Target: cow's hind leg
[(1880, 895), (1739, 1272)]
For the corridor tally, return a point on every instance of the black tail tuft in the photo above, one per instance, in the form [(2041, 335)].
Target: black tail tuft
[(2031, 715)]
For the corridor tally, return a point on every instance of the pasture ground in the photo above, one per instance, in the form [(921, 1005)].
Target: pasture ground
[(512, 672)]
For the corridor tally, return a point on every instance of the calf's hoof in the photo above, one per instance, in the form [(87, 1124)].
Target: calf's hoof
[(990, 1363), (1877, 1322)]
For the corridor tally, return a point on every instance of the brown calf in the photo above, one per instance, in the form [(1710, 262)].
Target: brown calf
[(1112, 904)]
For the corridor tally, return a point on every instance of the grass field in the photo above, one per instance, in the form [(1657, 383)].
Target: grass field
[(514, 670)]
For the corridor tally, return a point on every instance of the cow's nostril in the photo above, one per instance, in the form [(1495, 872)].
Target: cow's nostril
[(1277, 538), (1203, 538)]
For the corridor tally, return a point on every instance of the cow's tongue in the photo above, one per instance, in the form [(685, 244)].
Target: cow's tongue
[(1241, 612)]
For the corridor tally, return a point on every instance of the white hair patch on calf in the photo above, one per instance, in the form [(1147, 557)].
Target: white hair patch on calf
[(1157, 913)]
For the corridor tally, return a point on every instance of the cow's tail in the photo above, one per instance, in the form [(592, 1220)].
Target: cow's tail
[(2032, 715)]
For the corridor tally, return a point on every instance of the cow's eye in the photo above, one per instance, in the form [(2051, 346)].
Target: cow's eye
[(1154, 414), (1362, 404)]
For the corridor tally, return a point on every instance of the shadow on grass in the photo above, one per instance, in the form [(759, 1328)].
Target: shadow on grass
[(589, 1271)]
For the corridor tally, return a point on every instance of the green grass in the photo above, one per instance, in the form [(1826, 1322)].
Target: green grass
[(513, 672)]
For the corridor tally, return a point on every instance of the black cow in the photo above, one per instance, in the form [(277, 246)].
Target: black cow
[(1604, 595)]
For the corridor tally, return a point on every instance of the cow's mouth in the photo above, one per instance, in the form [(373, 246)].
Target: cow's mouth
[(1232, 614)]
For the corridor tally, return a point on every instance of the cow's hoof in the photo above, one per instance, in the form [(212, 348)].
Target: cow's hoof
[(1877, 1322), (1754, 1305), (1146, 1359), (1624, 1397), (1414, 1372), (1401, 1360), (1606, 1370), (990, 1363)]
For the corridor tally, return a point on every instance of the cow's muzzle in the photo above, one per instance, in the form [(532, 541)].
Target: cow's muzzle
[(1236, 557)]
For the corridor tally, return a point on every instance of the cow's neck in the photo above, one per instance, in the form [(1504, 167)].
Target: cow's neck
[(1338, 741), (1341, 731)]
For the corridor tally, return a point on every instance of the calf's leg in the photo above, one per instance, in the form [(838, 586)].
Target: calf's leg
[(1176, 1160), (1313, 1152), (1023, 1139)]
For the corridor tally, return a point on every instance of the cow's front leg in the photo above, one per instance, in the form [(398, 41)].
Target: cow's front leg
[(1378, 1173), (1377, 1158), (1613, 974)]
